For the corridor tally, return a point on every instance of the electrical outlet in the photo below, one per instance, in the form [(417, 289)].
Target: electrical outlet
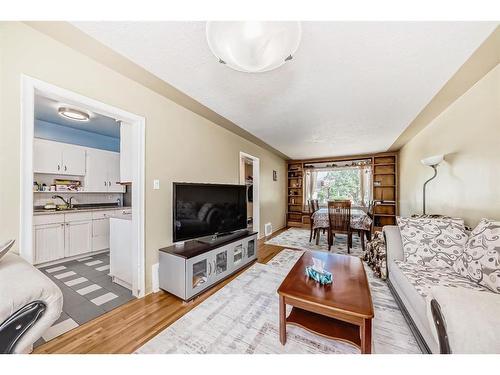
[(156, 184)]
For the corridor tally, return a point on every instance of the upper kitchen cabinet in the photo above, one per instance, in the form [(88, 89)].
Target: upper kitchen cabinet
[(103, 171), (126, 152), (58, 158)]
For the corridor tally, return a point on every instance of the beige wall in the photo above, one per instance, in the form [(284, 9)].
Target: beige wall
[(180, 145), (468, 133)]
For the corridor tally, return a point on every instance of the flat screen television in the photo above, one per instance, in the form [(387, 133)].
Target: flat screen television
[(202, 210)]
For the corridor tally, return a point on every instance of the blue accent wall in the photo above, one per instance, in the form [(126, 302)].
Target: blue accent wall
[(54, 132)]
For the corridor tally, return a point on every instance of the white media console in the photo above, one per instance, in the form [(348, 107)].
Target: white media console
[(190, 268)]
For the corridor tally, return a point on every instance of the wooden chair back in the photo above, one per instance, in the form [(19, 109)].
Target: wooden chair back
[(339, 216), (313, 206)]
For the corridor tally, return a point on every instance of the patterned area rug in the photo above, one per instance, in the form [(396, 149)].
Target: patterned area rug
[(298, 238), (242, 318)]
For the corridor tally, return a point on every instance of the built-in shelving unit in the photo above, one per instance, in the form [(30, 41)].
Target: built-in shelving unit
[(384, 189), (295, 203)]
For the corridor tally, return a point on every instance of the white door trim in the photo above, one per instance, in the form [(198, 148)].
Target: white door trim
[(256, 186), (29, 88)]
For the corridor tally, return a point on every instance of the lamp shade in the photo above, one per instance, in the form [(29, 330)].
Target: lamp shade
[(253, 46), (432, 160)]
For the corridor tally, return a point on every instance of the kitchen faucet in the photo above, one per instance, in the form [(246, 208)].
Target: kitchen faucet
[(68, 202)]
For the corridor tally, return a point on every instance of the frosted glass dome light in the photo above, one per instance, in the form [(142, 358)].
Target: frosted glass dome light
[(253, 46)]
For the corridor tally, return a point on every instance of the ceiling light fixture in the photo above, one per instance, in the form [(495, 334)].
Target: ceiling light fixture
[(253, 46), (73, 114)]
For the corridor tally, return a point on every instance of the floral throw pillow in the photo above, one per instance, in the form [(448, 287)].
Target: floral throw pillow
[(432, 242), (480, 261)]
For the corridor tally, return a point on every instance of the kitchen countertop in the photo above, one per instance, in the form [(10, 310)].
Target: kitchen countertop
[(83, 209)]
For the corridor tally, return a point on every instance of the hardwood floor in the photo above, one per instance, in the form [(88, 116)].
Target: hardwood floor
[(129, 326)]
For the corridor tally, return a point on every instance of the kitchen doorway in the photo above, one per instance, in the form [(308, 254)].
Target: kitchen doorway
[(31, 88)]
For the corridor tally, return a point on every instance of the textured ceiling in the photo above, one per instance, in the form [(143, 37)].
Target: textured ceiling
[(352, 87), (46, 110)]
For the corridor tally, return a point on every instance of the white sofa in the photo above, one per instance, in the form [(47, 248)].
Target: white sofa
[(415, 287), (29, 304)]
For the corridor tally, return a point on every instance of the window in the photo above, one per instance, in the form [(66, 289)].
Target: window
[(326, 184)]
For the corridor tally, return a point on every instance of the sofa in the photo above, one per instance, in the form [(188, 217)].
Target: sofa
[(439, 303), (29, 304)]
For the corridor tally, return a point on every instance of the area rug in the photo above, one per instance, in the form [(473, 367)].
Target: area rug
[(298, 238), (242, 318)]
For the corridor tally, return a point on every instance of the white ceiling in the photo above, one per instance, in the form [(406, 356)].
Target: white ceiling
[(352, 87), (47, 110)]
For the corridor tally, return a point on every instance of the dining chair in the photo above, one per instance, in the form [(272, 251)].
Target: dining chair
[(313, 207), (339, 218)]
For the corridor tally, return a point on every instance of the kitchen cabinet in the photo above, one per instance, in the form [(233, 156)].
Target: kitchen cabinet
[(100, 234), (126, 151), (48, 242), (78, 238), (103, 171), (58, 158)]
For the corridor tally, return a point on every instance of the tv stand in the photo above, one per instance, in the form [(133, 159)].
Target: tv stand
[(189, 269)]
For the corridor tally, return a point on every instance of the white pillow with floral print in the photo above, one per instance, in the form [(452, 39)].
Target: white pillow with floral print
[(480, 261), (432, 242)]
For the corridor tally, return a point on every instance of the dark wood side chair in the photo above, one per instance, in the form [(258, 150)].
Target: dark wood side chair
[(313, 207), (339, 217)]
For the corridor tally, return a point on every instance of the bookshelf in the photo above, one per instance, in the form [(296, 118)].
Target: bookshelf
[(295, 203), (385, 190)]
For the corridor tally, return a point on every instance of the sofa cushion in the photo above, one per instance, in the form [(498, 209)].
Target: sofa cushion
[(414, 303), (480, 261), (432, 242), (423, 278), (470, 317)]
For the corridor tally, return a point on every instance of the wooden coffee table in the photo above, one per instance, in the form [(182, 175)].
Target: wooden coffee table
[(342, 310)]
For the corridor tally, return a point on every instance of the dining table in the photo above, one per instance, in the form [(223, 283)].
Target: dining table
[(360, 221)]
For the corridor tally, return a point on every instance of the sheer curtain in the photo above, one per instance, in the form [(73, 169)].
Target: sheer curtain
[(310, 185), (365, 180)]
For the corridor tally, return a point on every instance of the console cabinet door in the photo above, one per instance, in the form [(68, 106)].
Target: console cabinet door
[(251, 249), (237, 255), (200, 273), (78, 237), (221, 266), (48, 242)]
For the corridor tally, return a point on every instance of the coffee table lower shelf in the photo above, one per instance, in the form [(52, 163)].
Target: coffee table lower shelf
[(325, 326)]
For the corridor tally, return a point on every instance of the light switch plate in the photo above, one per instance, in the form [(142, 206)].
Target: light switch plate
[(156, 184)]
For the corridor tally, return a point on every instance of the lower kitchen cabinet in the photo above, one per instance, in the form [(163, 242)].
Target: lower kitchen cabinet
[(100, 234), (58, 236), (78, 238), (48, 242)]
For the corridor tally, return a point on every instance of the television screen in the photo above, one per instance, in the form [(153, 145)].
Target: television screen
[(204, 209)]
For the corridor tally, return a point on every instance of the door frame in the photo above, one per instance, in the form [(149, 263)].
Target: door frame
[(31, 87), (256, 186)]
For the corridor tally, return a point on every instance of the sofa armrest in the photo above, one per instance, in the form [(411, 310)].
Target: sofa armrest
[(469, 317), (393, 243), (21, 284)]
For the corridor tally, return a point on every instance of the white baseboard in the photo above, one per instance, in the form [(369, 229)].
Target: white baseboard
[(155, 277)]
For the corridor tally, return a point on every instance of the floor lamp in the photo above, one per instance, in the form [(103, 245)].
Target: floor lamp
[(433, 162)]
